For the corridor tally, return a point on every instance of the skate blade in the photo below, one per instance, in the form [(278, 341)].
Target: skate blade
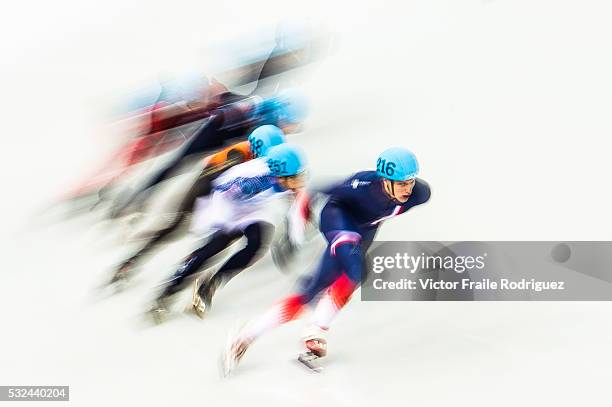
[(310, 362), (228, 362), (200, 312), (193, 310), (196, 307), (226, 368)]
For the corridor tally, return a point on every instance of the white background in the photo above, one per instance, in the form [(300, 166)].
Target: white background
[(506, 103)]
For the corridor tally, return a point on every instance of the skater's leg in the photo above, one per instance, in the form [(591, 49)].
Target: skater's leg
[(291, 307), (339, 293), (200, 188), (158, 238), (336, 228), (284, 311), (335, 297), (347, 247), (341, 240), (340, 268), (345, 240), (206, 137), (328, 306), (192, 264), (258, 239)]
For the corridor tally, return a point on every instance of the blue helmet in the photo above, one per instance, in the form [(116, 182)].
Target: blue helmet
[(265, 137), (397, 164), (286, 160), (288, 106), (293, 106)]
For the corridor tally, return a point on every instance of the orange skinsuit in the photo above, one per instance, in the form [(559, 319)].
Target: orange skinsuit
[(223, 157), (213, 165)]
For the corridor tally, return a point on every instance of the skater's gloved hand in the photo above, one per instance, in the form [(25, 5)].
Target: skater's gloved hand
[(302, 203), (296, 233), (296, 227), (283, 253), (298, 218)]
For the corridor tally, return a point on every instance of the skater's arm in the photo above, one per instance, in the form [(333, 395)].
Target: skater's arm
[(339, 190), (242, 188), (203, 139)]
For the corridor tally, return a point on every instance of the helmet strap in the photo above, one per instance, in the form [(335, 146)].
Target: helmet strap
[(389, 190)]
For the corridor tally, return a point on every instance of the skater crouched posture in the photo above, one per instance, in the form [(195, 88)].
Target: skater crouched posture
[(349, 221), (247, 201), (228, 123), (259, 142)]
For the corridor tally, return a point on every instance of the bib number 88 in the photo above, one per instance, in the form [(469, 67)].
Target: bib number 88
[(256, 145)]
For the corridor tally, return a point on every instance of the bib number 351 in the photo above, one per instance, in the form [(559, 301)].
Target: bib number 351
[(277, 167)]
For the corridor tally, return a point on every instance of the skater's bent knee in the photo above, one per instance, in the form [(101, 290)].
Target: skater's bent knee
[(344, 238)]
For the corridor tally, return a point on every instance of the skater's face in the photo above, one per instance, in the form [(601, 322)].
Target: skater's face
[(399, 190), (294, 183)]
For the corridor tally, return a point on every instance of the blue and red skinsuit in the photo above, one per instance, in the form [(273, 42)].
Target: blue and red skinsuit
[(349, 221)]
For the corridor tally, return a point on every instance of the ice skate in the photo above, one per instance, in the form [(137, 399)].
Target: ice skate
[(197, 305), (203, 292), (236, 348), (311, 361), (316, 349), (317, 346)]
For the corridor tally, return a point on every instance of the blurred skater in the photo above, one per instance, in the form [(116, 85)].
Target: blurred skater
[(349, 222), (247, 202)]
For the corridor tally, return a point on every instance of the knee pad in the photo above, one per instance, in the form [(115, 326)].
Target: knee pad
[(341, 290), (291, 308), (344, 237)]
